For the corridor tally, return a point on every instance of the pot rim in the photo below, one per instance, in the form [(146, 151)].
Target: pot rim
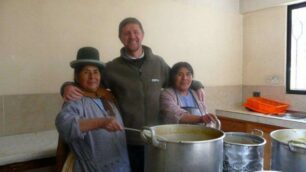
[(285, 142), (221, 137), (261, 139)]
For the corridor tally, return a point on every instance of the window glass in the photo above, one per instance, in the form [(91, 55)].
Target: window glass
[(296, 49)]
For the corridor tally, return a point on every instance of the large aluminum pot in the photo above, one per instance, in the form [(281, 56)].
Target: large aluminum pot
[(182, 148), (289, 150), (243, 152)]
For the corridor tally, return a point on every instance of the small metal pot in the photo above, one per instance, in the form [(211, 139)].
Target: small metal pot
[(243, 152), (289, 150), (180, 148)]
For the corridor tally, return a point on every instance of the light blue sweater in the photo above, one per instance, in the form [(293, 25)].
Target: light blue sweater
[(97, 150)]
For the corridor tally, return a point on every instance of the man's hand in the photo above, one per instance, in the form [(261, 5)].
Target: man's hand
[(72, 92), (201, 94)]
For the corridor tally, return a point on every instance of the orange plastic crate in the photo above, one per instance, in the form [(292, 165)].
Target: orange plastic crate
[(266, 106)]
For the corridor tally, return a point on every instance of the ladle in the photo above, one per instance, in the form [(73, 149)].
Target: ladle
[(143, 134)]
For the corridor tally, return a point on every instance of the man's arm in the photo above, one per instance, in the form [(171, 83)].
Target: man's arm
[(196, 85), (199, 88), (62, 89), (70, 91)]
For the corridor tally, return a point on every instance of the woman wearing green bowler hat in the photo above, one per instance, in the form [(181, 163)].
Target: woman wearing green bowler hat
[(92, 126)]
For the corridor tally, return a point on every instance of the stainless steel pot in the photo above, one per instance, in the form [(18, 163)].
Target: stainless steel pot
[(289, 150), (181, 148), (243, 152)]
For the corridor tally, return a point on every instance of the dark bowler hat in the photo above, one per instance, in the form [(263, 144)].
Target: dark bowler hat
[(87, 55)]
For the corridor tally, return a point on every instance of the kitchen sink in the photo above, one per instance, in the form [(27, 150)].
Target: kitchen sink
[(293, 115)]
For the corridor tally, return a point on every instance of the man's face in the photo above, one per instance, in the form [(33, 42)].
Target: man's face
[(131, 37)]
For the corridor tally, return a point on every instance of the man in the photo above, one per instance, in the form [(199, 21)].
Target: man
[(136, 79)]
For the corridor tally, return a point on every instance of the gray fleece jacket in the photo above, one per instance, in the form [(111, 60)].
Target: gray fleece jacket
[(137, 89)]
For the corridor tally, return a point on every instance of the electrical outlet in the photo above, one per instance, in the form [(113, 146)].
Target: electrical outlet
[(256, 94)]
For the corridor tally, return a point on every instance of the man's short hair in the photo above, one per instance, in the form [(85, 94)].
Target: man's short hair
[(129, 20)]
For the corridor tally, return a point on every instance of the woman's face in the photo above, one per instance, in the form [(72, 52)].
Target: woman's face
[(183, 79), (89, 78)]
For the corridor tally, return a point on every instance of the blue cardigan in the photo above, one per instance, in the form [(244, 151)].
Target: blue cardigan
[(97, 150)]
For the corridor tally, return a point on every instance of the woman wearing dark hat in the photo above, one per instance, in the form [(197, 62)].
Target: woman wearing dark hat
[(92, 126)]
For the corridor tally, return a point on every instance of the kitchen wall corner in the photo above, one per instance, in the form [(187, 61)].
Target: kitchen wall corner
[(223, 97)]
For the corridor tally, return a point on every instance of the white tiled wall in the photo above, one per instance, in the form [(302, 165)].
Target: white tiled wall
[(28, 113)]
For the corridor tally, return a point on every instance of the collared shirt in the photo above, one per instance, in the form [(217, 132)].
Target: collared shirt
[(134, 58)]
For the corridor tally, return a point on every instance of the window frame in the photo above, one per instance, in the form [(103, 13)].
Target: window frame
[(290, 8)]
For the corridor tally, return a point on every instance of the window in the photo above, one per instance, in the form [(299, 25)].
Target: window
[(296, 49)]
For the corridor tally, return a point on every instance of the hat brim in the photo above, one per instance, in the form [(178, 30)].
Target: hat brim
[(77, 63)]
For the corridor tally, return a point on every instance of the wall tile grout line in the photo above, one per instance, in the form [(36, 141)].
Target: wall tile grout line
[(3, 115)]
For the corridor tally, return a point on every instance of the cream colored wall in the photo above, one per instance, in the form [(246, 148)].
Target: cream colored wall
[(264, 46), (253, 5), (264, 56), (39, 38)]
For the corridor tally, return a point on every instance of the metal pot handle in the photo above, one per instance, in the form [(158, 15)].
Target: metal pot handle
[(257, 132), (218, 124), (294, 148), (153, 138)]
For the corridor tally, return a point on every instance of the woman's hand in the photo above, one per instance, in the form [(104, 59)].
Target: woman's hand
[(72, 92), (209, 118), (111, 124)]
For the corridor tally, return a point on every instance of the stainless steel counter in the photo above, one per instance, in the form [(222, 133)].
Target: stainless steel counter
[(247, 115)]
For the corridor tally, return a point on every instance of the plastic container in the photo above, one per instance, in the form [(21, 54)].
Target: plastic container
[(266, 106)]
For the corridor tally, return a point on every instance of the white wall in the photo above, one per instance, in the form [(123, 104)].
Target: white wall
[(39, 38)]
